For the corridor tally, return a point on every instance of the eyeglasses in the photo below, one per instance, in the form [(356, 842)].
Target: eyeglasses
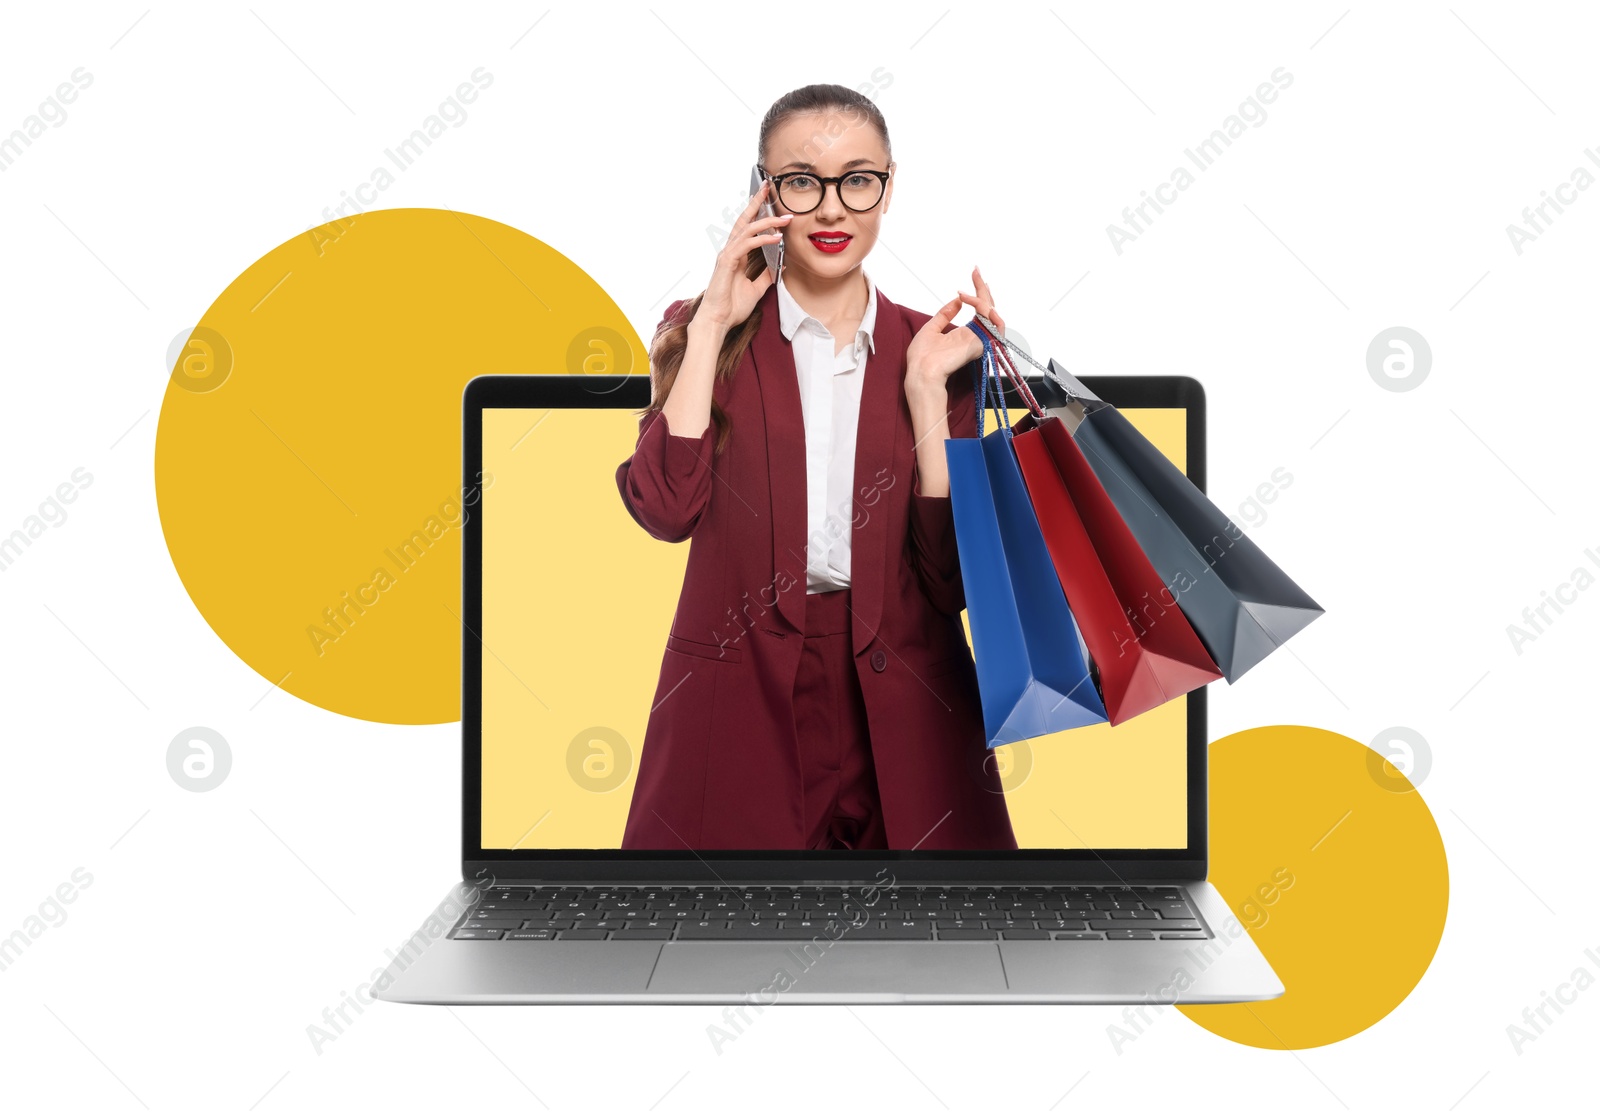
[(801, 192)]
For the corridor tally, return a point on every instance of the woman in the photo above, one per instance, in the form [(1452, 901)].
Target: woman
[(816, 690)]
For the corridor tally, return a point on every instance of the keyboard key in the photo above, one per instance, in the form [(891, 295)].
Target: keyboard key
[(642, 935), (891, 931), (1071, 936), (746, 931), (491, 923), (1025, 935), (1130, 935), (880, 933), (584, 934), (511, 910), (1110, 925), (1173, 911), (968, 934), (531, 935), (479, 934), (1184, 935), (1160, 896)]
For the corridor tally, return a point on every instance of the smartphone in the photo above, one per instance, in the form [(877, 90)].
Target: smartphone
[(774, 251)]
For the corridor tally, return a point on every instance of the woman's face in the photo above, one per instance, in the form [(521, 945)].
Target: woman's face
[(831, 240)]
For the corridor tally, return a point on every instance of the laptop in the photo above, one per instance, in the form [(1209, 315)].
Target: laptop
[(566, 606)]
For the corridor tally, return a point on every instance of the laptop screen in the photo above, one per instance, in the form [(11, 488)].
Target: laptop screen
[(578, 602), (576, 607)]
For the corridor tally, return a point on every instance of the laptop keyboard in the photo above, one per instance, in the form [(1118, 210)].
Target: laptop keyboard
[(1099, 912)]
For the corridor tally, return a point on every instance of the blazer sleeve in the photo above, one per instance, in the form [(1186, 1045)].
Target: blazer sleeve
[(666, 483), (933, 533)]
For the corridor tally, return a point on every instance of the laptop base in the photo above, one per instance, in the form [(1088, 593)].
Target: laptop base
[(1226, 967)]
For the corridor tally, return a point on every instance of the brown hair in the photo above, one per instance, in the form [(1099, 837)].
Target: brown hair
[(672, 336)]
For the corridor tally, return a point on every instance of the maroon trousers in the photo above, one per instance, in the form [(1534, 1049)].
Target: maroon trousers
[(839, 787)]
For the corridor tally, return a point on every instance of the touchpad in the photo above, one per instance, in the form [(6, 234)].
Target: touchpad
[(745, 972)]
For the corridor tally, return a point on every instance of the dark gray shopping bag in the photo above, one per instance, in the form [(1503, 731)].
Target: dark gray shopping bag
[(1241, 604)]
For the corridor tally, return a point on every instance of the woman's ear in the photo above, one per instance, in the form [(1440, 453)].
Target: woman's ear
[(889, 191)]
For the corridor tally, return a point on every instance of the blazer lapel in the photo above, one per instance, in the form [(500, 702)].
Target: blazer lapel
[(779, 383), (878, 436)]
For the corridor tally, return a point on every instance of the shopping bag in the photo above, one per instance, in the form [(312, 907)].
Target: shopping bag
[(1144, 650), (1033, 668), (1240, 603)]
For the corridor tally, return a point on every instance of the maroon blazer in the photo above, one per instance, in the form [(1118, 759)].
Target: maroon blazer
[(719, 766)]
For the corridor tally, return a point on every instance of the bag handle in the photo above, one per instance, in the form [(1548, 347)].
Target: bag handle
[(980, 386), (1008, 345), (1004, 364), (986, 370)]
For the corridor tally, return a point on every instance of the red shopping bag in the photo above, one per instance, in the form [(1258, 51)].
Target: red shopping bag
[(1144, 649)]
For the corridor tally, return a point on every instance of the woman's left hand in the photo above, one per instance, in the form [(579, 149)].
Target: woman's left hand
[(936, 352)]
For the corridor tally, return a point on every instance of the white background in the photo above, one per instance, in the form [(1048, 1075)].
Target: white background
[(1377, 193)]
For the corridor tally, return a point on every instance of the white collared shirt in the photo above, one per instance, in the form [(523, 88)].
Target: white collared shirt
[(830, 402)]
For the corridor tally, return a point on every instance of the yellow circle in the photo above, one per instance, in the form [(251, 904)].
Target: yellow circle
[(1340, 877), (308, 470)]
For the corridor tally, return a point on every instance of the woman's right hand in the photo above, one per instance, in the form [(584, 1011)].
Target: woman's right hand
[(731, 296)]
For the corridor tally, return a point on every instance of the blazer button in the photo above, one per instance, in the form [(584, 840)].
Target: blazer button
[(879, 660)]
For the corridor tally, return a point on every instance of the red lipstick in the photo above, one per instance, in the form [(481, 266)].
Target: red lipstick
[(830, 240)]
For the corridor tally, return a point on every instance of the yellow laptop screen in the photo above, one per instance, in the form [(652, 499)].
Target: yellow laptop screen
[(578, 601)]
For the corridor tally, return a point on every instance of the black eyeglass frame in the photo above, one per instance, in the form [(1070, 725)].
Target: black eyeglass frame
[(882, 177)]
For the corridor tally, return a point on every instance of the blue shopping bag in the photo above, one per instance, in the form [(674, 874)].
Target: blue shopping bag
[(1033, 667)]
